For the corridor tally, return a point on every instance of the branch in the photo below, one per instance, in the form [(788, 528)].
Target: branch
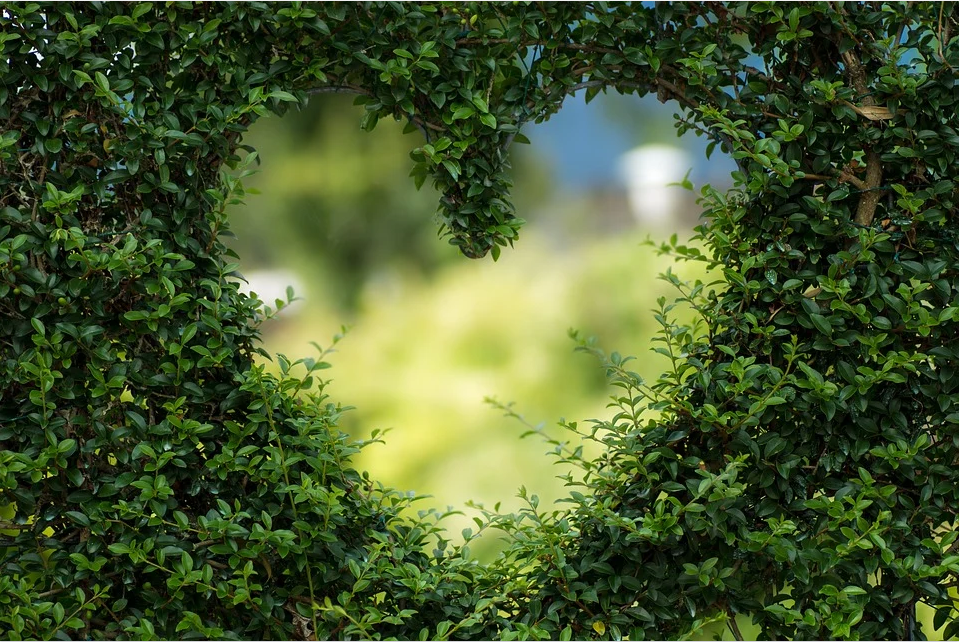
[(869, 199), (734, 625), (15, 527), (755, 72), (942, 34), (599, 83), (538, 43), (905, 22), (845, 176), (677, 93), (339, 89), (421, 124)]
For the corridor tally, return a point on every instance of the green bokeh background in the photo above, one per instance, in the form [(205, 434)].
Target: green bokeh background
[(433, 334)]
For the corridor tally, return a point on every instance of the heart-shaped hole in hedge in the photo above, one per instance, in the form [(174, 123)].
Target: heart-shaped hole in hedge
[(430, 338), (157, 483)]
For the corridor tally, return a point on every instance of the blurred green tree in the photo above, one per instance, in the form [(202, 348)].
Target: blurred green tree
[(337, 205)]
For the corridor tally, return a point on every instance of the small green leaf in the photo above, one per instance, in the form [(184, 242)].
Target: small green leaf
[(480, 104), (821, 323), (102, 81), (463, 112), (283, 96), (442, 628), (453, 168), (78, 517)]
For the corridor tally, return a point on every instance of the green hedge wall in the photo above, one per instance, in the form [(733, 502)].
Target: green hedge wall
[(800, 472)]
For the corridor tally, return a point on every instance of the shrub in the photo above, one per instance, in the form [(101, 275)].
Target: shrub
[(799, 463)]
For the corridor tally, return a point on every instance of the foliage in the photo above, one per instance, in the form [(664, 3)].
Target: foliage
[(424, 352), (801, 466), (330, 182)]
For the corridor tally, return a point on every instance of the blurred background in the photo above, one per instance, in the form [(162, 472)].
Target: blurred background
[(432, 333)]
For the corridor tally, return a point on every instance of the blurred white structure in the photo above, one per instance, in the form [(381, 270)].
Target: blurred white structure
[(648, 170), (270, 285)]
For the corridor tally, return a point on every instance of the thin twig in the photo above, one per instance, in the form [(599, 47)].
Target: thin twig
[(942, 34), (849, 177), (844, 177), (902, 27), (533, 43), (756, 72), (734, 626), (420, 124), (339, 89)]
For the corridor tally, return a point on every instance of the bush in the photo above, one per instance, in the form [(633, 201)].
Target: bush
[(798, 466)]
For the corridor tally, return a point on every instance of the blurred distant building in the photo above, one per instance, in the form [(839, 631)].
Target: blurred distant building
[(648, 171)]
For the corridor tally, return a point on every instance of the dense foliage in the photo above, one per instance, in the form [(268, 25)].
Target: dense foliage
[(799, 465)]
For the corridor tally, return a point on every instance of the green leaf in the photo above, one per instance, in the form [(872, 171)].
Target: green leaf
[(453, 168), (463, 112), (283, 96), (821, 323), (75, 476), (431, 66), (480, 104), (443, 628), (82, 77), (102, 81), (119, 548), (142, 9), (78, 517)]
